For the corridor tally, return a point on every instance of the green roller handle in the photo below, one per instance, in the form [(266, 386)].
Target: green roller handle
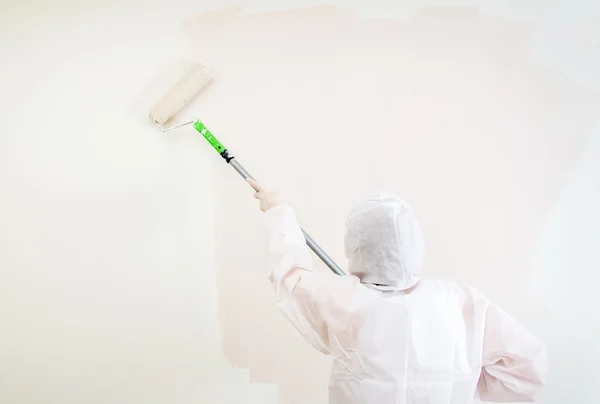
[(218, 146), (214, 142)]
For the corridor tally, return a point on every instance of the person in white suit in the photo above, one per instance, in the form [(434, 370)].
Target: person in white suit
[(396, 338)]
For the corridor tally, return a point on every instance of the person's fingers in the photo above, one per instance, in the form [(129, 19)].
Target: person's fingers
[(254, 184), (257, 195)]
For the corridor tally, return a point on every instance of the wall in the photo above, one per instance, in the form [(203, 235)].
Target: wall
[(564, 266), (132, 263), (107, 277)]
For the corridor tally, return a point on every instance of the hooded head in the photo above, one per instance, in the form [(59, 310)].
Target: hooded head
[(383, 243)]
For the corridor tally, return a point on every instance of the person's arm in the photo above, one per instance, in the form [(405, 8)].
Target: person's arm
[(514, 361), (320, 304)]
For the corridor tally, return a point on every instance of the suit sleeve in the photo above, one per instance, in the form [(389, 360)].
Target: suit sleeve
[(514, 361), (319, 304)]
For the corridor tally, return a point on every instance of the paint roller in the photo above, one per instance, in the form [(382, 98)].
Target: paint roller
[(175, 100)]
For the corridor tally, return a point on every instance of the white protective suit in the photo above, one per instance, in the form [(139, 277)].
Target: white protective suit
[(396, 339)]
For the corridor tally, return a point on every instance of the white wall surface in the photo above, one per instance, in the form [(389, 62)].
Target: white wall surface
[(130, 263), (107, 280)]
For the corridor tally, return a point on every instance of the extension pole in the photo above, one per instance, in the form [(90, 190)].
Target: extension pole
[(218, 146)]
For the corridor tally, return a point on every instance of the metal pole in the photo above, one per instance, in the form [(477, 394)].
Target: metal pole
[(327, 260)]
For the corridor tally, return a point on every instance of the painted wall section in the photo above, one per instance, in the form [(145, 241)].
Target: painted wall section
[(450, 108)]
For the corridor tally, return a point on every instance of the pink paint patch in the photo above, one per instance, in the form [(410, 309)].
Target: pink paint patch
[(448, 110)]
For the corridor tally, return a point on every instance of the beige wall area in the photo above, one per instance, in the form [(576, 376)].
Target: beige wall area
[(132, 262)]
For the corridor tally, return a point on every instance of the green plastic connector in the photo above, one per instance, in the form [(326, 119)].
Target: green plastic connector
[(214, 142)]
